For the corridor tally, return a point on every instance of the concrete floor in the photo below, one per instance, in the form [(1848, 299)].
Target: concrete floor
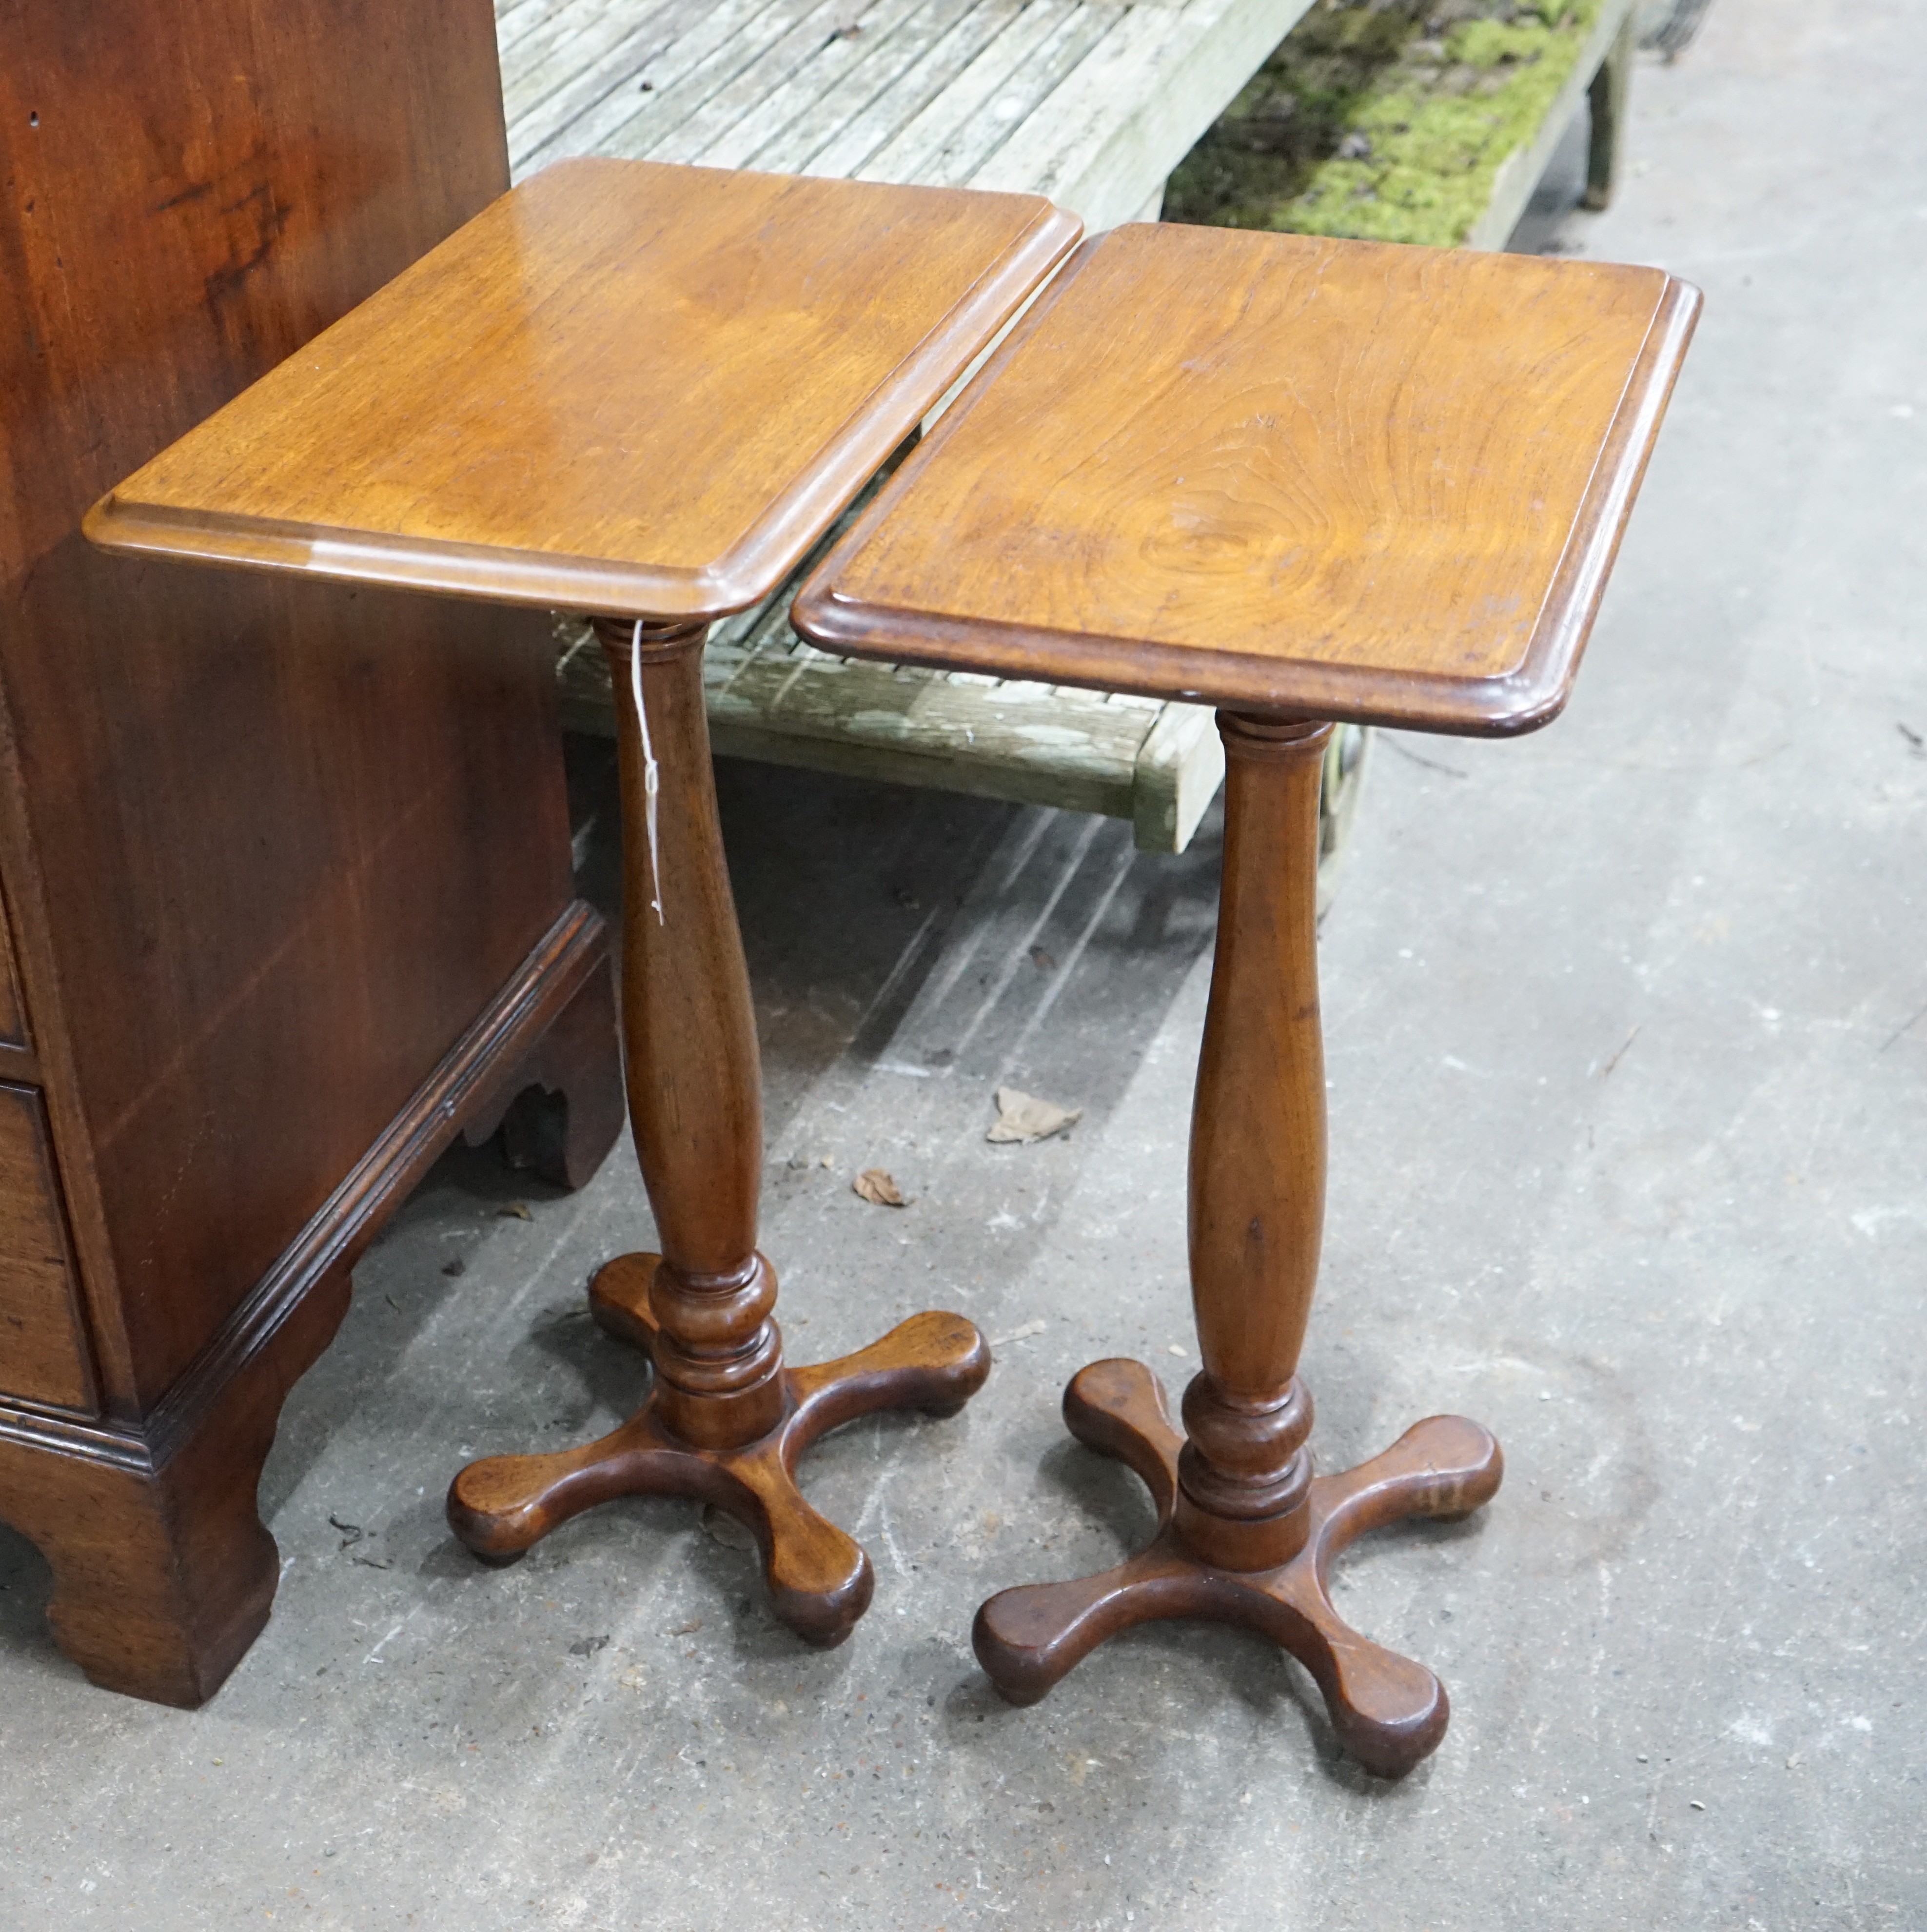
[(1628, 1030)]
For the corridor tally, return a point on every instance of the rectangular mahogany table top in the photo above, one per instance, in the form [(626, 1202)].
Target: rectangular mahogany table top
[(624, 387), (1335, 479)]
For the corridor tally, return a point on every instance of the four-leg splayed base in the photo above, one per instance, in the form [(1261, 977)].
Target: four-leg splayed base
[(725, 1421), (1246, 1534), (1389, 1711)]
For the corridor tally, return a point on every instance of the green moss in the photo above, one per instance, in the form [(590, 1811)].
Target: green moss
[(1384, 120)]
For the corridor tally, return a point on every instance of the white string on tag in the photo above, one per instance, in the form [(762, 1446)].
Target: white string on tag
[(651, 774)]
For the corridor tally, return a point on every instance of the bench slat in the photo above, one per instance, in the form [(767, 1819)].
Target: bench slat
[(726, 57), (795, 58), (826, 90), (953, 138), (940, 58), (1105, 139), (516, 20), (1091, 101), (582, 52), (623, 122), (771, 697)]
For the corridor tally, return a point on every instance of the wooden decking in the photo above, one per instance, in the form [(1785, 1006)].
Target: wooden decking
[(1091, 102)]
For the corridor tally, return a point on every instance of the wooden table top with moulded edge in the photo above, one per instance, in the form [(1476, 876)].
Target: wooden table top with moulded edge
[(1307, 480), (643, 392), (625, 387), (1328, 479)]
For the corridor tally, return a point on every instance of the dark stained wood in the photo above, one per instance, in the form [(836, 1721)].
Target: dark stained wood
[(43, 1340), (163, 1574), (819, 1579), (695, 1095), (12, 1015), (1304, 480), (1334, 479), (495, 424), (725, 1421), (270, 853), (563, 1110), (645, 392), (1245, 1534), (1257, 1166), (1389, 1711)]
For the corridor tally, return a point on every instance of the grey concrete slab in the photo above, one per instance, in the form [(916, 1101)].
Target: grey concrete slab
[(1627, 1039)]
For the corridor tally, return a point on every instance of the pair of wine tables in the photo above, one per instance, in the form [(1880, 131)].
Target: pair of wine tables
[(1305, 480)]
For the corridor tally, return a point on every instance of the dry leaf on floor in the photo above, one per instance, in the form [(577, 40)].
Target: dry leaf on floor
[(1023, 1117), (1022, 1334), (516, 1211), (878, 1188)]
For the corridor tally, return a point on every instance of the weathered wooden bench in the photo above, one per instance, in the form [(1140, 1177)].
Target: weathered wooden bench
[(1092, 102)]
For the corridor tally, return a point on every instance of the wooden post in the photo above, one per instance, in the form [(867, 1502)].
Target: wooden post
[(1608, 99)]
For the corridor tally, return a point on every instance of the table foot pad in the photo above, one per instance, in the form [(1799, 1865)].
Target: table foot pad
[(819, 1581), (1389, 1711)]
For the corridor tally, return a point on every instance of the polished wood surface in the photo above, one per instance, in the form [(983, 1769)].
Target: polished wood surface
[(819, 1579), (725, 1421), (1305, 480), (42, 1337), (1334, 479), (279, 861), (1245, 1534), (1257, 1161), (1388, 1712), (625, 387), (644, 392)]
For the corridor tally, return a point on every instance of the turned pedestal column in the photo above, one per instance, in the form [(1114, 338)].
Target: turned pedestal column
[(644, 392), (1303, 480), (726, 1420), (1246, 1534)]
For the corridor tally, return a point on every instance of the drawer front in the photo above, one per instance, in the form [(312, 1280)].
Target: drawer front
[(13, 1012), (43, 1353)]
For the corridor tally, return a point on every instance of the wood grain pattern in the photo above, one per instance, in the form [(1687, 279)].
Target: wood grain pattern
[(1245, 1534), (270, 851), (13, 1013), (202, 192), (43, 1351), (725, 1420), (819, 1579), (1331, 479), (645, 392), (1389, 1711), (1256, 1188), (1307, 479), (495, 424)]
